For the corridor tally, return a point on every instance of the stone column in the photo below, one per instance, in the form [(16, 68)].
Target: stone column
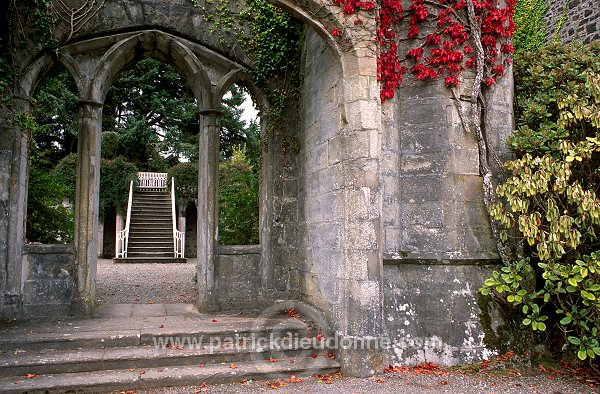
[(119, 226), (265, 208), (208, 188), (362, 291), (181, 218), (87, 203), (14, 154), (100, 244)]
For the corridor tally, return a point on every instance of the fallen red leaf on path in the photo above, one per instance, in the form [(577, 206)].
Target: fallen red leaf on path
[(292, 313), (201, 365), (313, 356), (443, 382), (162, 326), (214, 320), (202, 388), (233, 366), (275, 384), (272, 360), (30, 375), (294, 379), (380, 380), (331, 356), (396, 369), (550, 377)]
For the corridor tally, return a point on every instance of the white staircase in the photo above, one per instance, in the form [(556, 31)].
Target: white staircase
[(150, 234)]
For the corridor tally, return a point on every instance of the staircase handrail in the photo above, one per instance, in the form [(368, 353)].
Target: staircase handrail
[(123, 235), (178, 236)]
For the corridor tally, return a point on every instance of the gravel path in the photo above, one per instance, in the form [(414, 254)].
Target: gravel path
[(145, 283), (172, 283), (405, 383)]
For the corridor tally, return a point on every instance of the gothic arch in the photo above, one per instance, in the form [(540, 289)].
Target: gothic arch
[(240, 76), (156, 44)]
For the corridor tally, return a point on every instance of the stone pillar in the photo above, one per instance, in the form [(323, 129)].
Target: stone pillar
[(181, 218), (87, 203), (208, 188), (14, 154), (100, 243), (267, 160), (362, 294), (119, 226)]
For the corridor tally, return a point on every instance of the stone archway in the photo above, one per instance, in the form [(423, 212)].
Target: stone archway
[(351, 294)]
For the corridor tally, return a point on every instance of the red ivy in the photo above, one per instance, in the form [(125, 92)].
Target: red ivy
[(444, 51)]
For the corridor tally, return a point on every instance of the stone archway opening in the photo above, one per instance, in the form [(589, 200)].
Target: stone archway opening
[(52, 152), (150, 126)]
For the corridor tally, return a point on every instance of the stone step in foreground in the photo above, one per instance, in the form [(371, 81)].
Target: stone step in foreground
[(129, 347), (136, 379)]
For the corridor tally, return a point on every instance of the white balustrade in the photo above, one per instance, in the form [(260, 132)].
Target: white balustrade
[(178, 236), (152, 180), (123, 235)]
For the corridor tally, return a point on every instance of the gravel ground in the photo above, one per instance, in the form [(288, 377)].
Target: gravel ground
[(172, 283), (145, 283), (408, 383)]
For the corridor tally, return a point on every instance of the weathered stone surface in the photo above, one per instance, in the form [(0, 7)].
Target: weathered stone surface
[(431, 313), (49, 281), (346, 183), (581, 20), (236, 271)]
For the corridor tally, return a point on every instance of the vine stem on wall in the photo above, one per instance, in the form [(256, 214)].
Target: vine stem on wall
[(477, 106)]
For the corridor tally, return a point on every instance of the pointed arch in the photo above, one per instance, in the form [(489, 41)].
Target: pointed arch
[(155, 44)]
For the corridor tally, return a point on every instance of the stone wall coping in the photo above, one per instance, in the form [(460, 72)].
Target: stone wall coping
[(238, 249), (48, 249), (443, 261)]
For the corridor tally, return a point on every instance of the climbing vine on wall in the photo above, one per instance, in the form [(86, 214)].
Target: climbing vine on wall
[(531, 27), (445, 34), (269, 36)]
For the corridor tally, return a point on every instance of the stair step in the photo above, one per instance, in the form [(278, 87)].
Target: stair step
[(98, 333), (149, 213), (150, 219), (125, 379), (150, 260), (124, 348), (140, 241), (88, 360)]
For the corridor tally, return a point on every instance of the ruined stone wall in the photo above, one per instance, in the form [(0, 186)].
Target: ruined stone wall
[(237, 276), (438, 246), (322, 175), (49, 280), (581, 20), (433, 201)]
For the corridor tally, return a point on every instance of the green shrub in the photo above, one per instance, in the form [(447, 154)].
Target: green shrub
[(66, 171), (550, 203), (238, 200), (48, 220), (186, 180), (531, 31), (115, 177)]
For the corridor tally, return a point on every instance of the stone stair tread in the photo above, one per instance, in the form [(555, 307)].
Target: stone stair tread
[(165, 376), (150, 260), (51, 361), (122, 332)]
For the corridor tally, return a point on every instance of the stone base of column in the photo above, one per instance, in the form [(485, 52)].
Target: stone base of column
[(363, 356)]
